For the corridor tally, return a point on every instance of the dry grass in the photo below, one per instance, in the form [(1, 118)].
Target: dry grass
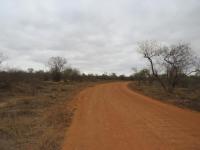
[(182, 97), (35, 116)]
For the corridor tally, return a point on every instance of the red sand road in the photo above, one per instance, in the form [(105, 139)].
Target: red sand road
[(112, 117)]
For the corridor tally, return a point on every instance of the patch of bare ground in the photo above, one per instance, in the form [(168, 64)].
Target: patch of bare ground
[(35, 116), (181, 97)]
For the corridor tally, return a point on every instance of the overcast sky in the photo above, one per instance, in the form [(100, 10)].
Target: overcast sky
[(95, 36)]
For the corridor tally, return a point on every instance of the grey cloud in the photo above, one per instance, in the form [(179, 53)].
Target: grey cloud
[(95, 36)]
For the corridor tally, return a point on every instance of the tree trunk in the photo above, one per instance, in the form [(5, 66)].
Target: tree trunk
[(156, 75)]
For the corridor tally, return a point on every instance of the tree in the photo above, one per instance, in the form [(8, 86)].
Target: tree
[(173, 62), (71, 74), (113, 76), (150, 50), (178, 60), (56, 65)]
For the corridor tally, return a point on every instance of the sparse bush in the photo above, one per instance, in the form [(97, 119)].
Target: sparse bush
[(142, 76), (71, 74)]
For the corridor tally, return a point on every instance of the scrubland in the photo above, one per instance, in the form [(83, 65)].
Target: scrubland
[(35, 114)]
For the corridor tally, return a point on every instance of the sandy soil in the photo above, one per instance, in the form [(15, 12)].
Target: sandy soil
[(112, 117)]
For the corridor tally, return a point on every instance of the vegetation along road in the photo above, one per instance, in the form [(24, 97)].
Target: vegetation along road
[(112, 117)]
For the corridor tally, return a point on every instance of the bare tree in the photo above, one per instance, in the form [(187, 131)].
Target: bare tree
[(56, 65), (175, 61), (151, 50), (178, 60)]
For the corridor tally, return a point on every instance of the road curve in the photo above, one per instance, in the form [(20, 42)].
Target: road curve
[(112, 117)]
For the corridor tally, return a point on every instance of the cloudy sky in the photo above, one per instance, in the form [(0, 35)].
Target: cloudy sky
[(95, 36)]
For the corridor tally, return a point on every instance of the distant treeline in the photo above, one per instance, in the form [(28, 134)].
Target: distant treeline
[(58, 71), (8, 78)]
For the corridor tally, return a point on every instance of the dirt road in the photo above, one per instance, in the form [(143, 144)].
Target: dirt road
[(112, 117)]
